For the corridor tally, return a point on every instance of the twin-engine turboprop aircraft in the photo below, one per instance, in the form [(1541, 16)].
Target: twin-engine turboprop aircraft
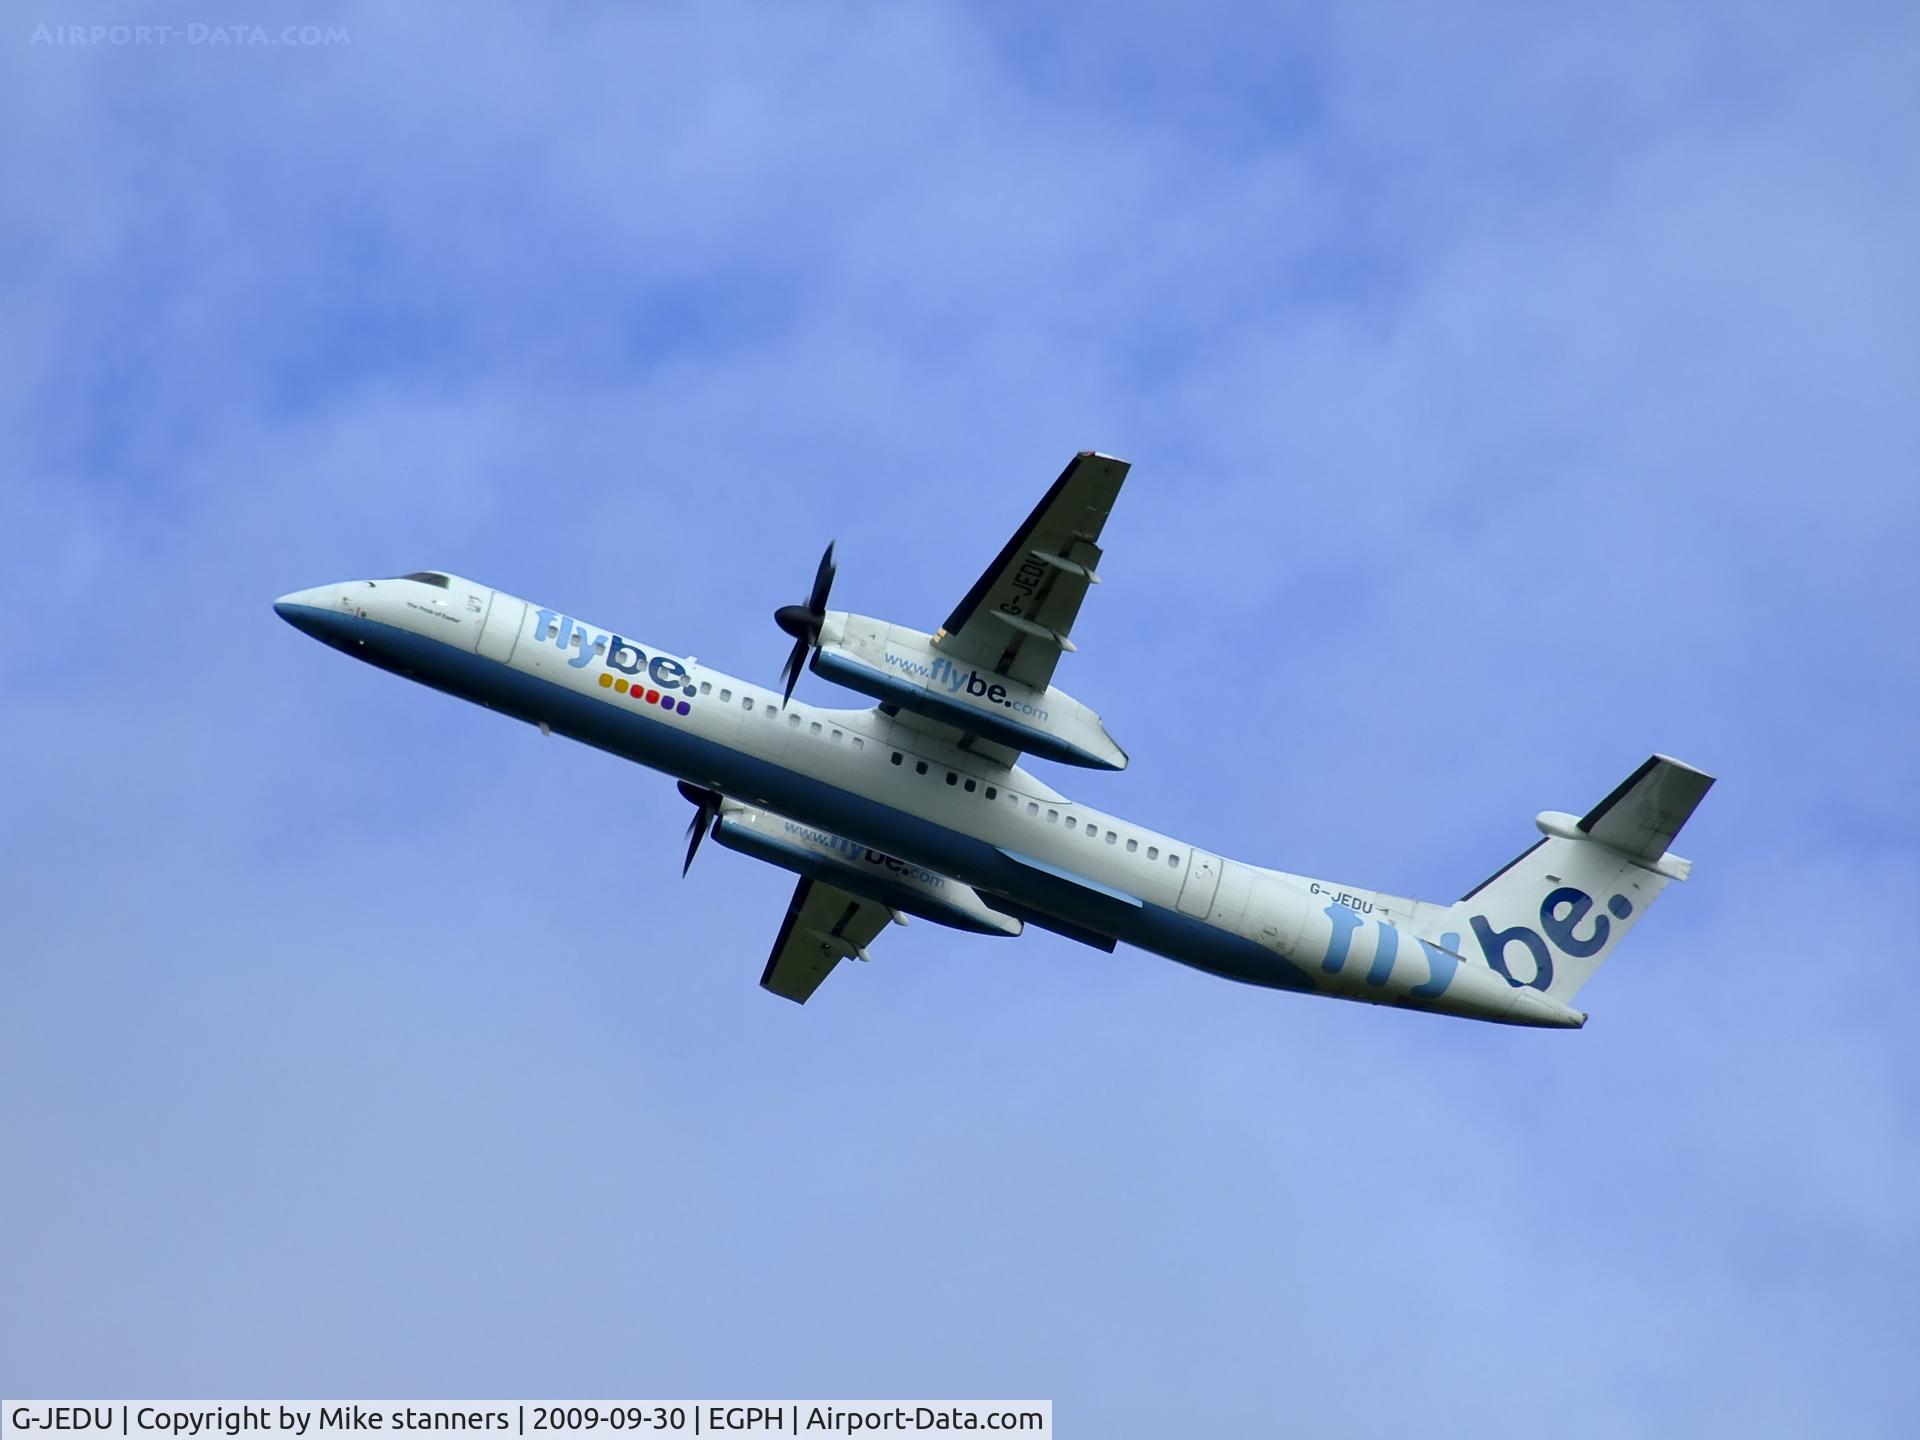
[(920, 805)]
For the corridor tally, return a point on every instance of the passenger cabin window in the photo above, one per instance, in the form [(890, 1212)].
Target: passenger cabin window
[(814, 728), (1032, 809), (896, 757), (992, 794), (920, 767), (427, 577), (970, 787), (746, 702), (706, 687), (951, 777), (1071, 822), (793, 719), (1053, 817), (1111, 837), (725, 696), (858, 743), (1153, 852), (1132, 845), (1173, 860), (837, 737)]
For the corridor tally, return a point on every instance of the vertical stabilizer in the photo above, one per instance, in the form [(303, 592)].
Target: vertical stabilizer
[(1550, 918)]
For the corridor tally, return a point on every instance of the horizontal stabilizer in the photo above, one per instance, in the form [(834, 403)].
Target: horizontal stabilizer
[(1646, 810)]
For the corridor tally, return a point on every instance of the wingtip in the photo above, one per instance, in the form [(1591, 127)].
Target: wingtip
[(1683, 765)]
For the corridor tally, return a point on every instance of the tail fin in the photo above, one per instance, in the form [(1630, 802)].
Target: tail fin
[(1552, 916)]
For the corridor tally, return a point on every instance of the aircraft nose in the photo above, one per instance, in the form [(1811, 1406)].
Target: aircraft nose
[(305, 610)]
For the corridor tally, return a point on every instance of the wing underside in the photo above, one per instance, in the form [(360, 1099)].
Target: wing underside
[(824, 926), (1017, 618)]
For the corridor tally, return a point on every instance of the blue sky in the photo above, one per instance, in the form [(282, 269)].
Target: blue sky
[(1512, 391)]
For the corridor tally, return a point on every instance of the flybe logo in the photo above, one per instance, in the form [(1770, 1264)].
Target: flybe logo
[(944, 672), (1561, 915), (660, 680), (1442, 959)]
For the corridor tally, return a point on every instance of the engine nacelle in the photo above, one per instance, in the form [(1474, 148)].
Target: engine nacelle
[(903, 667), (869, 874)]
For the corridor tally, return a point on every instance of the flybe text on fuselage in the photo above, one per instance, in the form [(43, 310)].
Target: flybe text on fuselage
[(624, 661)]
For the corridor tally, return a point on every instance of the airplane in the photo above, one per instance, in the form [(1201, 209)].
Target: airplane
[(919, 805)]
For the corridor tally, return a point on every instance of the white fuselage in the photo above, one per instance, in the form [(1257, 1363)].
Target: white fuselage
[(894, 785)]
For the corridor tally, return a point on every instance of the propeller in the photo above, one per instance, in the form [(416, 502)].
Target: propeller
[(706, 805), (803, 622)]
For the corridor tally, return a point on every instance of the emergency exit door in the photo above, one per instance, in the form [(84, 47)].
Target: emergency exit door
[(501, 632), (1203, 878)]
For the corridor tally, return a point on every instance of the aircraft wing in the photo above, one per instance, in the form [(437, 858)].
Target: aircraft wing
[(824, 926), (1017, 617)]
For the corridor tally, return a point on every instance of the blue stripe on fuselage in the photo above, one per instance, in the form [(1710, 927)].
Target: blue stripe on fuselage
[(664, 745)]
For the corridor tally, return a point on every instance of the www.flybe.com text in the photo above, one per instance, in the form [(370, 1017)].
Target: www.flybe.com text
[(943, 674), (840, 845)]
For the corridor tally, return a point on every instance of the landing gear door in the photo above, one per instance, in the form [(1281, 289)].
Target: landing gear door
[(1203, 879), (505, 616)]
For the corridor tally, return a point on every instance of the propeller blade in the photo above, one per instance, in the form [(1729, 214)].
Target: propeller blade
[(822, 585), (706, 805), (696, 832), (791, 672), (804, 622)]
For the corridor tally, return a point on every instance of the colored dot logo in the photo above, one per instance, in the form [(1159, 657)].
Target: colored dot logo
[(645, 696)]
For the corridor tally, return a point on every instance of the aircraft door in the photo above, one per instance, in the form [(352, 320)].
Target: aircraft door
[(1203, 879), (501, 632)]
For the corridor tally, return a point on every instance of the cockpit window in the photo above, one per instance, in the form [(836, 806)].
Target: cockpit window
[(427, 577)]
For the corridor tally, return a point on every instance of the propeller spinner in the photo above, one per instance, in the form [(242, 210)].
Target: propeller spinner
[(803, 622)]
